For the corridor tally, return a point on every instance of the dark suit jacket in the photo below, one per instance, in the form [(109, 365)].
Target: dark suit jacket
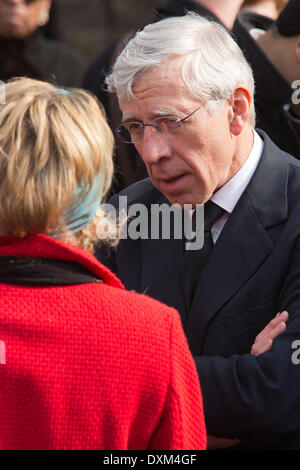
[(252, 273)]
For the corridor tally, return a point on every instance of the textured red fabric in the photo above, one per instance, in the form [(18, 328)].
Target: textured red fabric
[(92, 366)]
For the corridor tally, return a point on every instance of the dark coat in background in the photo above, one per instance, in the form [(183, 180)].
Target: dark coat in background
[(40, 58), (272, 91)]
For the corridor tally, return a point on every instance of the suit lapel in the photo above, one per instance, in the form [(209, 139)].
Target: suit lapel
[(160, 271), (160, 262), (243, 244)]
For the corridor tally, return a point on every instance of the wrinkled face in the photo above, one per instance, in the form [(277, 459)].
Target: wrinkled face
[(191, 162), (19, 18)]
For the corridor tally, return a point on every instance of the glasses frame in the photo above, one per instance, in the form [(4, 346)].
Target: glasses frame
[(153, 124)]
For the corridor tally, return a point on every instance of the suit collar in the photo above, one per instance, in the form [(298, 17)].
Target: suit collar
[(270, 200)]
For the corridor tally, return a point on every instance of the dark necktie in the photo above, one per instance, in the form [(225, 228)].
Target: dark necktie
[(193, 261)]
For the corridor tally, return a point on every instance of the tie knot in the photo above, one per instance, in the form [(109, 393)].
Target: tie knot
[(212, 212)]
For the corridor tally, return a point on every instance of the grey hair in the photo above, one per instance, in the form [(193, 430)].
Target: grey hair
[(214, 67)]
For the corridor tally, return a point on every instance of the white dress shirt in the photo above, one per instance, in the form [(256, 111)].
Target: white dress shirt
[(228, 196)]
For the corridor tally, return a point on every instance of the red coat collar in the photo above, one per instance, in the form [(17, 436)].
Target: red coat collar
[(42, 246)]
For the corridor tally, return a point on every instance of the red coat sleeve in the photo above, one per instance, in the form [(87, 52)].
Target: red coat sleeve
[(182, 424)]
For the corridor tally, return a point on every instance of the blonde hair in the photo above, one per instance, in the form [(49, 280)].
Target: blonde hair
[(51, 142)]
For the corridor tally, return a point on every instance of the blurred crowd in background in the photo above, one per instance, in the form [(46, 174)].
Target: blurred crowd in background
[(89, 27)]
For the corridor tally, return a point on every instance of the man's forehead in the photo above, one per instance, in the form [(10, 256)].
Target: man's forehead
[(156, 94), (167, 74), (168, 70)]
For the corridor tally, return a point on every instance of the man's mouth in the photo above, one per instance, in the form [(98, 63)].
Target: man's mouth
[(171, 179), (172, 182)]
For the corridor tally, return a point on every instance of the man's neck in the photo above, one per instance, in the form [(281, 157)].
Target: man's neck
[(225, 10), (243, 147)]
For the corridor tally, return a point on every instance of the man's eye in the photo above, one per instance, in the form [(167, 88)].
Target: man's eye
[(134, 126)]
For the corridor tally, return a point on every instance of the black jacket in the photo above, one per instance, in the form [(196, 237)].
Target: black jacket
[(272, 90), (40, 58)]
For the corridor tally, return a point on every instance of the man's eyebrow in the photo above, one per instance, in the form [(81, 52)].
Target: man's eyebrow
[(129, 118), (154, 114), (168, 112)]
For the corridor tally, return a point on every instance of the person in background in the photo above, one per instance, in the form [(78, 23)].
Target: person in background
[(268, 8), (217, 10), (273, 51), (88, 365), (186, 95), (129, 166), (25, 51)]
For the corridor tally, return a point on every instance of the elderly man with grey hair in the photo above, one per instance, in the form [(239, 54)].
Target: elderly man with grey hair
[(186, 95)]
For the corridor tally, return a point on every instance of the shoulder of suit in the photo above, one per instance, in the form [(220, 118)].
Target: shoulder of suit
[(292, 160), (271, 148), (142, 192)]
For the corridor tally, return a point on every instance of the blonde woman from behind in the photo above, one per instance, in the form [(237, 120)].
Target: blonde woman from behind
[(88, 365)]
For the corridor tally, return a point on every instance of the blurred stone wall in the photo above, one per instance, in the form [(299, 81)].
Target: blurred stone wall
[(91, 25)]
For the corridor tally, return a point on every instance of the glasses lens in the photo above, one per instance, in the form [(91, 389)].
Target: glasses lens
[(164, 124), (124, 134)]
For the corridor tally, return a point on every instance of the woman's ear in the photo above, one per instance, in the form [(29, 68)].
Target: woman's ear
[(240, 103)]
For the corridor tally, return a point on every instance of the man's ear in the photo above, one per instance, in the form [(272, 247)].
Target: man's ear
[(240, 109)]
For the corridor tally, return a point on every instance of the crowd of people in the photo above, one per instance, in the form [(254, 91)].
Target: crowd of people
[(140, 342)]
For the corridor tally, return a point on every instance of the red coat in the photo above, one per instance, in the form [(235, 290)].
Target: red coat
[(92, 366)]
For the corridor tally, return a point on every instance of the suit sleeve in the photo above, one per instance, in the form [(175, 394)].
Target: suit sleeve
[(182, 424), (258, 398)]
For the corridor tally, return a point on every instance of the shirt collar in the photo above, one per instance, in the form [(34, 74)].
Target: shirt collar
[(227, 196)]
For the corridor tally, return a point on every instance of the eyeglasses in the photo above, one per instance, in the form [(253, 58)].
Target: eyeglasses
[(132, 132)]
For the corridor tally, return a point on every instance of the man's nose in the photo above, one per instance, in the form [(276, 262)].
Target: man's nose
[(154, 146)]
